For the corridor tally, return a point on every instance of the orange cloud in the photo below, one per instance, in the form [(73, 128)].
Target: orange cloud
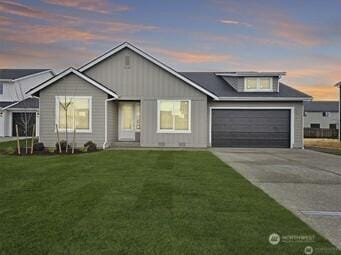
[(297, 33), (101, 6), (48, 34), (322, 92), (190, 57)]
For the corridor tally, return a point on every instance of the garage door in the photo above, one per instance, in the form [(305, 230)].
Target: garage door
[(250, 128)]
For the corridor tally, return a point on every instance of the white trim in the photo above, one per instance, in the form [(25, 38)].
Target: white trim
[(27, 76), (252, 74), (106, 121), (258, 89), (151, 59), (70, 130), (264, 99), (292, 118), (80, 75), (173, 131)]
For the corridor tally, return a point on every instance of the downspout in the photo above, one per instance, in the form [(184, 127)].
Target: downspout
[(106, 121)]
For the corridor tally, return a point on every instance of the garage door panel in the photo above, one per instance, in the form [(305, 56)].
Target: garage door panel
[(253, 136), (250, 128), (246, 128)]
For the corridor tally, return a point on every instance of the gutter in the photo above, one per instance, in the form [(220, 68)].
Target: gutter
[(264, 99), (106, 121)]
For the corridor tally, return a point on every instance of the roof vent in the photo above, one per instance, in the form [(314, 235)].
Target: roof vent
[(127, 61)]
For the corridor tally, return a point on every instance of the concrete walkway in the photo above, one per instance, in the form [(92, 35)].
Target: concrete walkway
[(306, 182), (6, 139)]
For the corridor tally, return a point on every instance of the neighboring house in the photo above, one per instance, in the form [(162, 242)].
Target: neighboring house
[(127, 95), (16, 107), (338, 85), (321, 114)]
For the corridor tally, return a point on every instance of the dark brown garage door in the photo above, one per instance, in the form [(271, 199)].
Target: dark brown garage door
[(250, 128)]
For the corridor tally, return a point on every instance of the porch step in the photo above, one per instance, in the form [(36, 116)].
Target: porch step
[(126, 144)]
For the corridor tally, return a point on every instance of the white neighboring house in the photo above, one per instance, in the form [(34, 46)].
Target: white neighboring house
[(16, 107), (321, 114)]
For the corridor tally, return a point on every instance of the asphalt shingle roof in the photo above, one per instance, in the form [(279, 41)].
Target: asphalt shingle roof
[(321, 106), (4, 104), (218, 86), (12, 74)]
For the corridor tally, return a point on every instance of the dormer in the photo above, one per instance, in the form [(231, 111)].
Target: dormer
[(253, 81)]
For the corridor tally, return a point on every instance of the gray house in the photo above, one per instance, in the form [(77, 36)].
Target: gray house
[(126, 95), (321, 114), (16, 107)]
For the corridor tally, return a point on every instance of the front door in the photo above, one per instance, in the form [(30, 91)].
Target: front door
[(129, 121)]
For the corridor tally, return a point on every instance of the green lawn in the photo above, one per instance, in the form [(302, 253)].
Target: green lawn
[(138, 202)]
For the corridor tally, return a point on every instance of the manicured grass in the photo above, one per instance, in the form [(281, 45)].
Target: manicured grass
[(138, 202)]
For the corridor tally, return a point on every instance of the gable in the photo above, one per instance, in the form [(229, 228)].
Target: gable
[(144, 77), (82, 79)]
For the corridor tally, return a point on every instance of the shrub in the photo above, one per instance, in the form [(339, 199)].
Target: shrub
[(90, 146), (63, 145), (38, 147)]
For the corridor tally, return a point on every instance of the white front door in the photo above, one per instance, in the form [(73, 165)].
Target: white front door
[(128, 120)]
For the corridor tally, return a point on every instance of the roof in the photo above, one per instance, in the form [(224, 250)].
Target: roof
[(14, 74), (5, 104), (66, 72), (220, 87), (321, 106), (28, 103), (150, 58), (251, 74)]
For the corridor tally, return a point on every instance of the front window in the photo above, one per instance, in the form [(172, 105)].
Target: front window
[(174, 116), (73, 113), (1, 88), (258, 84)]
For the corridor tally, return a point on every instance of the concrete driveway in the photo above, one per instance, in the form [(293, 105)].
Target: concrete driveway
[(306, 182)]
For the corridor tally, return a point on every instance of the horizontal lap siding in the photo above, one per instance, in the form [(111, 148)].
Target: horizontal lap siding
[(298, 114), (71, 85), (147, 82)]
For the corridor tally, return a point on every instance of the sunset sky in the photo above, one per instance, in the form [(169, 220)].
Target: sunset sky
[(300, 37)]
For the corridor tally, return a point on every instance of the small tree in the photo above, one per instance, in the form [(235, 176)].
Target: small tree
[(66, 105)]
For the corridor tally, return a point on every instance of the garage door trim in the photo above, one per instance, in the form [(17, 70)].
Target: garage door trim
[(292, 118)]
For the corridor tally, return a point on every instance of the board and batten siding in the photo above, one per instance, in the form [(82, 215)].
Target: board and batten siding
[(71, 85), (147, 82), (298, 111)]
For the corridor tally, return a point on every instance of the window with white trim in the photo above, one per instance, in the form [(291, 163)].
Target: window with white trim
[(258, 84), (174, 116), (73, 113), (1, 88)]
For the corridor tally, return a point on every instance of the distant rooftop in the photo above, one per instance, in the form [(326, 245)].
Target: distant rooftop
[(321, 106), (13, 74), (250, 74)]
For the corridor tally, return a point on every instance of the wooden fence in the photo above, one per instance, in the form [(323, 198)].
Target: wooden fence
[(320, 133)]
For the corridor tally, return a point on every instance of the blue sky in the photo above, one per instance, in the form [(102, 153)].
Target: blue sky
[(300, 37)]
